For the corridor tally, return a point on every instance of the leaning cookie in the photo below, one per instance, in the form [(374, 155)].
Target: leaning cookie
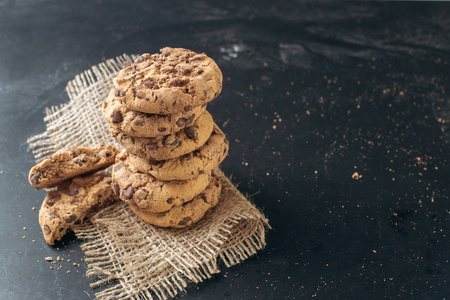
[(175, 80), (141, 124), (168, 146), (72, 202), (190, 165), (188, 213), (146, 192), (66, 165)]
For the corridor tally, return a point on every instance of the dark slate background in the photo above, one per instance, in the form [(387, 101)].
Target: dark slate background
[(313, 93)]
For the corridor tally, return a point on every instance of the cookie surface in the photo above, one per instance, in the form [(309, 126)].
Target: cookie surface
[(72, 202), (168, 146), (188, 213), (172, 81), (153, 195), (190, 165), (65, 165), (141, 124)]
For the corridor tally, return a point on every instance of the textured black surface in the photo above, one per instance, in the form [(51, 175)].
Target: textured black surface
[(313, 93)]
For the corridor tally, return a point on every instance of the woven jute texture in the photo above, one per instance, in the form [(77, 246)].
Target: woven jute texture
[(128, 257)]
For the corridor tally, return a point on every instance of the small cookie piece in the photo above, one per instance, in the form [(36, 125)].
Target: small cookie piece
[(175, 80), (189, 213), (153, 195), (140, 124), (190, 165), (168, 146), (65, 165), (72, 202)]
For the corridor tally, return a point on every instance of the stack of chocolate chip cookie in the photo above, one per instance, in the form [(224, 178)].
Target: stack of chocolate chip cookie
[(157, 112)]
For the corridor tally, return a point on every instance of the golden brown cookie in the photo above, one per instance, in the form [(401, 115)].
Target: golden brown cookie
[(190, 165), (72, 202), (168, 146), (175, 80), (65, 165), (141, 124), (153, 195), (188, 213)]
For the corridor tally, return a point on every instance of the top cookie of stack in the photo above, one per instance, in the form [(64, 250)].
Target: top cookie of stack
[(157, 112)]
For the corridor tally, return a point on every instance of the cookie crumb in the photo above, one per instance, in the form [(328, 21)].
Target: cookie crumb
[(356, 176), (58, 258), (48, 258), (33, 208), (24, 237), (24, 228)]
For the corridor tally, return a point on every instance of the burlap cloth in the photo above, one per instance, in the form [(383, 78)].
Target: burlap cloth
[(134, 259)]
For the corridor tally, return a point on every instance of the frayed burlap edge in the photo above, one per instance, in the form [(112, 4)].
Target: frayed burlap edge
[(130, 258)]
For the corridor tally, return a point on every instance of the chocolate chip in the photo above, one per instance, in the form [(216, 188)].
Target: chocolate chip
[(186, 70), (118, 167), (178, 82), (171, 141), (199, 56), (200, 72), (165, 52), (151, 147), (35, 178), (185, 221), (137, 92), (191, 132), (190, 120), (201, 172), (52, 200), (80, 162), (120, 93), (138, 122), (128, 193), (115, 188), (188, 108), (70, 219), (52, 214), (73, 190), (208, 212), (149, 83), (47, 229), (117, 116), (180, 122), (140, 59), (127, 64), (170, 200), (61, 229)]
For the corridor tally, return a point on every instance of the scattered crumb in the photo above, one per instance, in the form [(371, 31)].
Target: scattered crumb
[(33, 208), (356, 176), (24, 237), (58, 258), (48, 258)]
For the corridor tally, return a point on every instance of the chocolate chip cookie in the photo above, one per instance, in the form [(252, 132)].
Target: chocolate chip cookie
[(188, 213), (168, 146), (153, 195), (172, 81), (190, 165), (141, 124), (72, 202), (66, 165)]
